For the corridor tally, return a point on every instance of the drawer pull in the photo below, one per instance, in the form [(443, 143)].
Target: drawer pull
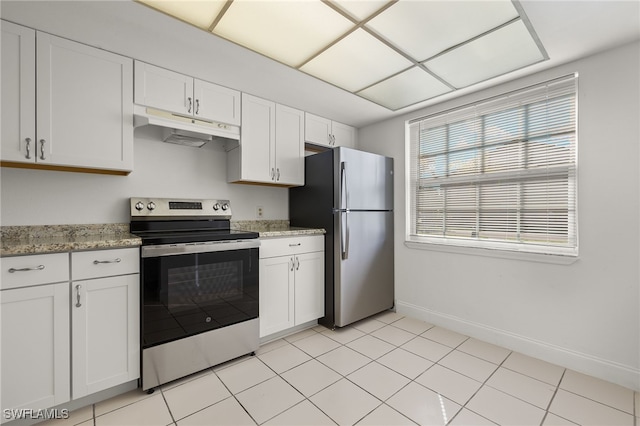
[(116, 260), (295, 245), (36, 268)]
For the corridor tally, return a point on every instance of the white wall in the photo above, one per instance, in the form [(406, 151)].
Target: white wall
[(584, 316), (40, 197)]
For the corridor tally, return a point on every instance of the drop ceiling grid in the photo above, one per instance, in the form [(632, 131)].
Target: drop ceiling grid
[(393, 53)]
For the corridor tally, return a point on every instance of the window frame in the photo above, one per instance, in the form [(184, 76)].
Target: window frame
[(494, 248)]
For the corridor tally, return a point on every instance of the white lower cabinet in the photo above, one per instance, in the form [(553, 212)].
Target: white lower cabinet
[(105, 327), (35, 332), (291, 282), (64, 338), (35, 347)]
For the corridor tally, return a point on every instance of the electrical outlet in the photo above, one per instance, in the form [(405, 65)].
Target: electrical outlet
[(259, 212)]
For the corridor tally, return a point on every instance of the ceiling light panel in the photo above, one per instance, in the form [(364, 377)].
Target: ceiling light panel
[(362, 9), (499, 52), (198, 13), (288, 31), (407, 88), (356, 62), (425, 28)]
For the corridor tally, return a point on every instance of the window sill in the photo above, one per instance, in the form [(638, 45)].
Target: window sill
[(503, 254)]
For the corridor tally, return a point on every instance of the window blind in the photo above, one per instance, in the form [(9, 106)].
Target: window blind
[(500, 173)]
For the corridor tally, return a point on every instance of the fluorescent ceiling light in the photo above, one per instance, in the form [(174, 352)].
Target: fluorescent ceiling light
[(499, 52), (356, 62), (361, 10), (376, 49), (198, 13), (407, 88), (288, 31), (425, 28)]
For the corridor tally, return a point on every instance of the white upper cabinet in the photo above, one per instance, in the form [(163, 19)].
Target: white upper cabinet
[(324, 132), (289, 146), (181, 94), (84, 108), (163, 89), (217, 103), (83, 103), (18, 93), (271, 148)]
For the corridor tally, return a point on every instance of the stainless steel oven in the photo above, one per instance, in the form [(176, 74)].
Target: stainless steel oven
[(199, 284)]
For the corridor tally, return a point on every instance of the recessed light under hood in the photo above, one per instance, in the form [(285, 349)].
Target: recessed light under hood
[(185, 137), (184, 130)]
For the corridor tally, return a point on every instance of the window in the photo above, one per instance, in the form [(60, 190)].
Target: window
[(498, 174)]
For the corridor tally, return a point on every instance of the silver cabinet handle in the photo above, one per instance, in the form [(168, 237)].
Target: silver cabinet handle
[(292, 264), (297, 263), (273, 174), (295, 245), (197, 106), (28, 144), (278, 173), (116, 260), (42, 142), (35, 268), (78, 304), (189, 109)]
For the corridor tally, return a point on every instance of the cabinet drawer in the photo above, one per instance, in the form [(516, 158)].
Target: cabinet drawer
[(272, 247), (103, 263), (24, 271)]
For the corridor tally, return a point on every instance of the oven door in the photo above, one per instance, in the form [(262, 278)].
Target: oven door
[(188, 289)]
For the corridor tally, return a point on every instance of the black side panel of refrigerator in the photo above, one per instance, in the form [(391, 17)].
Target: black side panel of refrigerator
[(311, 206)]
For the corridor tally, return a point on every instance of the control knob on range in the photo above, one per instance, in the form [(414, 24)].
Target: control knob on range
[(139, 205), (151, 205), (216, 206), (225, 206)]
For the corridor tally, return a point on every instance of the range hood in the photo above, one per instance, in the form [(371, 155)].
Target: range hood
[(184, 130)]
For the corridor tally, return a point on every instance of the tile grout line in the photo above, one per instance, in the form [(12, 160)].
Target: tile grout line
[(555, 392)]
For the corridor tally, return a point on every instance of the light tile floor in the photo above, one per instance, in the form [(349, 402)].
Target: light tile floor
[(386, 370)]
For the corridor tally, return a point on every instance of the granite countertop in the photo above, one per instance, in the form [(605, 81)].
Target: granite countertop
[(274, 228), (41, 239)]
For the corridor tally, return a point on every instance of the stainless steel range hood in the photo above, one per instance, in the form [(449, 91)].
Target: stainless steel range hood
[(184, 130)]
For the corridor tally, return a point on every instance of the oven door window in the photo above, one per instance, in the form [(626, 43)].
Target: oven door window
[(188, 294)]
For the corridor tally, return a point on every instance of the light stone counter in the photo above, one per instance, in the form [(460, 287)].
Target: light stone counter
[(40, 239), (274, 228)]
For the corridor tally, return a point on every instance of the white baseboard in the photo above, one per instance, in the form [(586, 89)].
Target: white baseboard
[(611, 371)]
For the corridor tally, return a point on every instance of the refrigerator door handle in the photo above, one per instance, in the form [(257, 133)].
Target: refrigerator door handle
[(344, 187), (344, 235)]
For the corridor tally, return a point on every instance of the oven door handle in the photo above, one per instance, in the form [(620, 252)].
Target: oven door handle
[(188, 248)]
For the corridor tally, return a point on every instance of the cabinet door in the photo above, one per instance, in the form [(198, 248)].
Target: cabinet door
[(216, 103), (309, 287), (257, 137), (18, 93), (163, 89), (289, 146), (35, 346), (343, 135), (276, 294), (105, 333), (317, 130), (84, 106)]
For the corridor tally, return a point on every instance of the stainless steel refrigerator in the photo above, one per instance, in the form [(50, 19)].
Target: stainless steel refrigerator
[(349, 193)]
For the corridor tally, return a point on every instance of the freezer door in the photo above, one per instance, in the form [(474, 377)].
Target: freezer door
[(363, 256), (364, 181)]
